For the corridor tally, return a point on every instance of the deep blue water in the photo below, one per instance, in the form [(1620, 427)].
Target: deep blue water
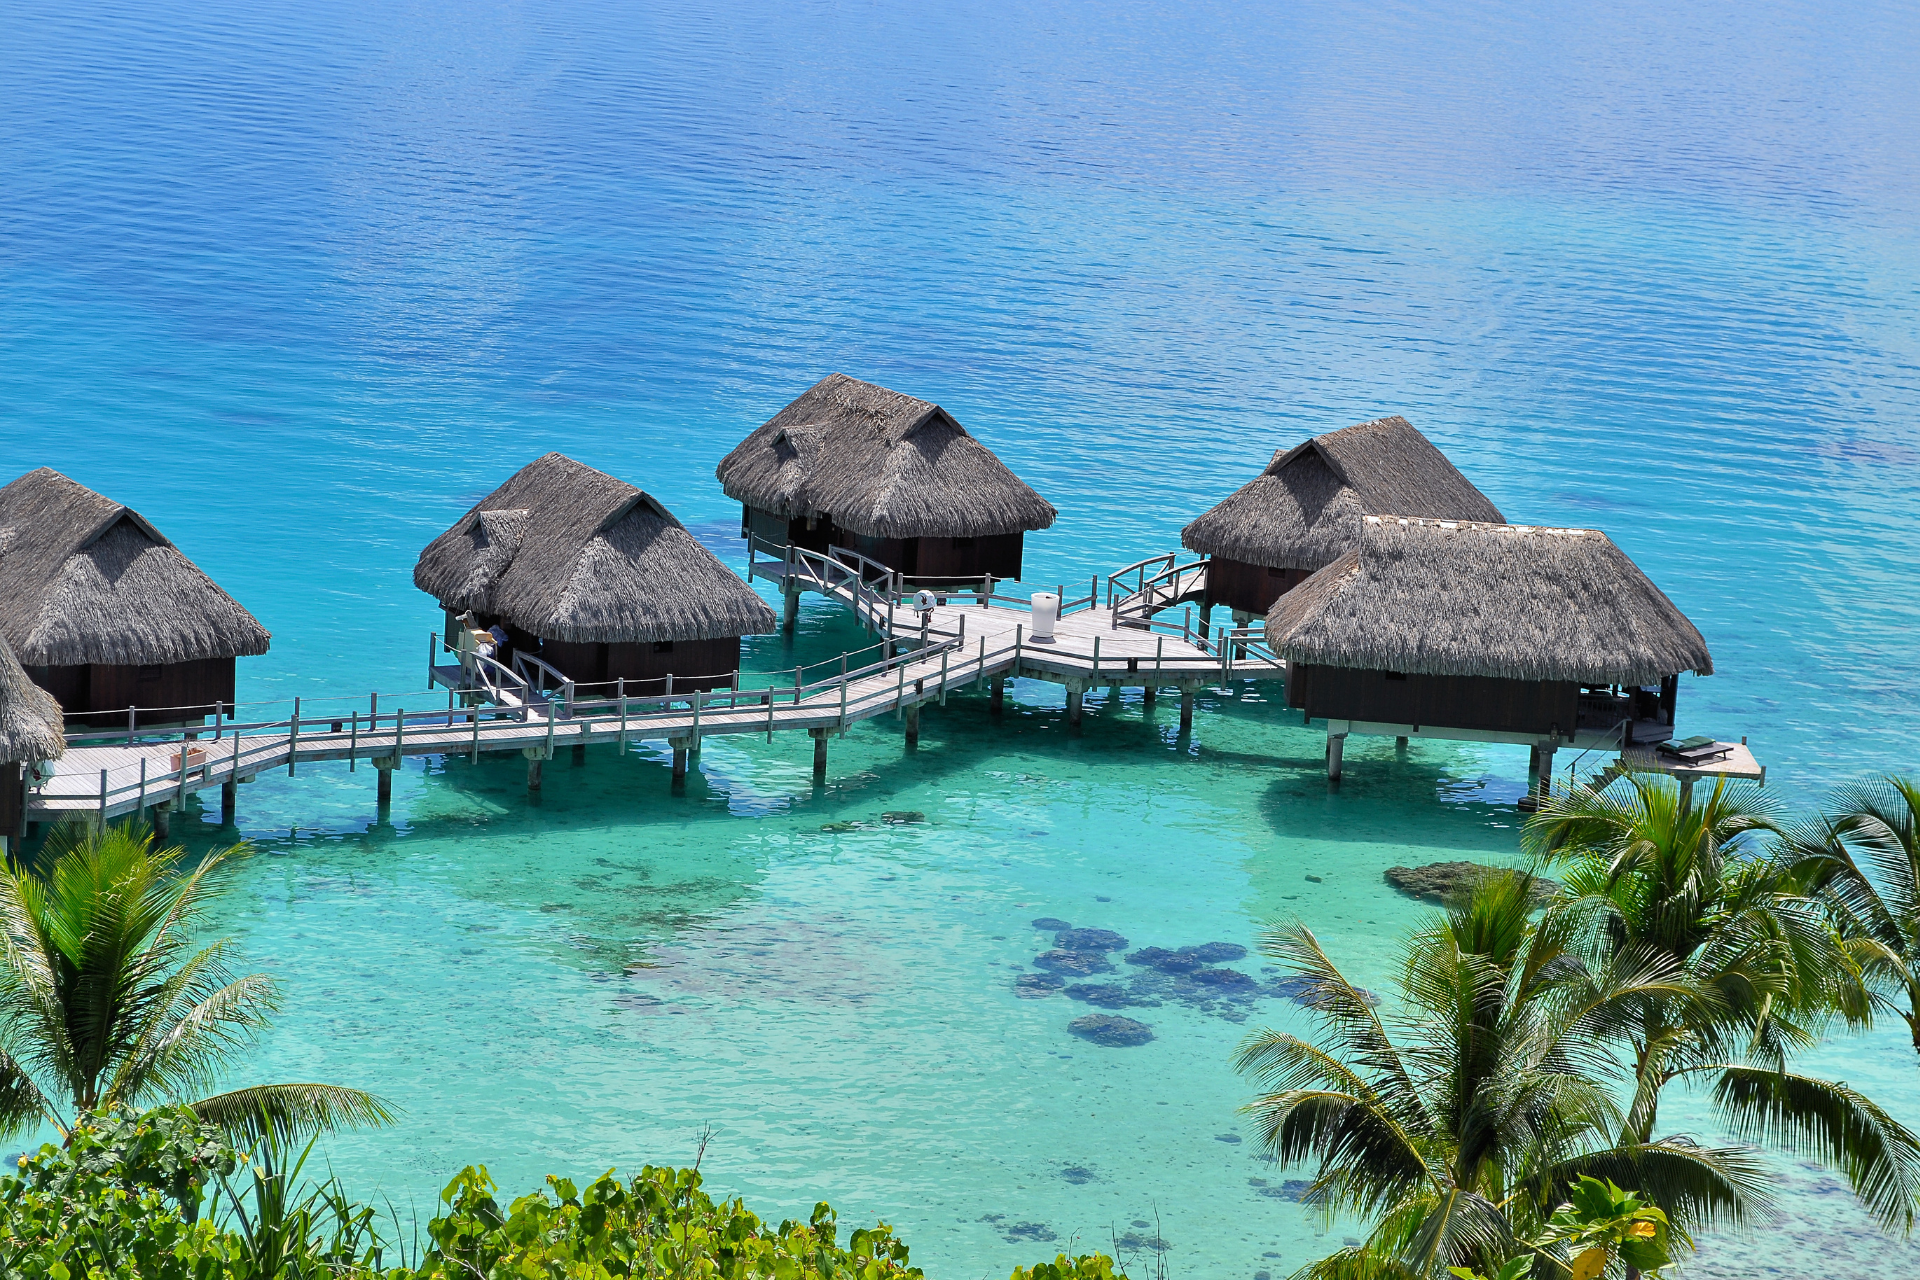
[(300, 281)]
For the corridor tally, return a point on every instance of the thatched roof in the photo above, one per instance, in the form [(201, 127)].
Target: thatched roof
[(84, 579), (31, 728), (1445, 597), (879, 463), (565, 552), (1305, 508)]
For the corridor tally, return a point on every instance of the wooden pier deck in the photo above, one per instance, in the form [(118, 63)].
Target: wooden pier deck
[(969, 640)]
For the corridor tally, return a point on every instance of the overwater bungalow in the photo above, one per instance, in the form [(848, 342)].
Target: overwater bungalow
[(595, 578), (896, 479), (31, 733), (106, 614), (1485, 632), (1304, 510)]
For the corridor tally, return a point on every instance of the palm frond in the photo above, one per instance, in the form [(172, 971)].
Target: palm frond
[(22, 1105), (1836, 1124), (288, 1112), (1698, 1187)]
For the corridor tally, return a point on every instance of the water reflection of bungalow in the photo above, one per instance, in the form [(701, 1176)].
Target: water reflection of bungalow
[(1304, 510), (596, 579), (31, 733), (1485, 632), (894, 478), (105, 614)]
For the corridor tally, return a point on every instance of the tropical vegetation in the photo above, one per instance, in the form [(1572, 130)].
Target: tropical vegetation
[(1519, 1071), (108, 1000), (164, 1196), (1862, 858)]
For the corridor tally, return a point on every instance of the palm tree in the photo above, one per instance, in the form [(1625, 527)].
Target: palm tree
[(106, 1002), (1863, 858), (1766, 973), (1458, 1122)]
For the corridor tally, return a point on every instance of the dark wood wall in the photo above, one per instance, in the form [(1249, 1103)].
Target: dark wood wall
[(947, 561), (998, 554), (1235, 584), (815, 534), (596, 669), (96, 696), (13, 790), (1441, 702)]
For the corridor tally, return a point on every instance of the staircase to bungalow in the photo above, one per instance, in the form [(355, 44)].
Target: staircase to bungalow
[(1141, 590)]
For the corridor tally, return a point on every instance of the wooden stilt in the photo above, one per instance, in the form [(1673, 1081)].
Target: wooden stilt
[(679, 747), (1148, 696), (1400, 743), (163, 823), (996, 694), (383, 794), (1075, 692), (579, 754), (229, 800), (536, 765), (819, 737), (913, 725), (790, 612), (1186, 708), (1336, 748)]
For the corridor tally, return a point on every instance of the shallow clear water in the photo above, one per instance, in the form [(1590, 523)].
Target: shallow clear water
[(302, 281)]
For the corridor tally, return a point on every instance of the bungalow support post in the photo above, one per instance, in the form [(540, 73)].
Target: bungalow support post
[(996, 694), (680, 747), (1336, 747), (913, 725), (229, 800), (163, 823), (1076, 693), (1186, 708)]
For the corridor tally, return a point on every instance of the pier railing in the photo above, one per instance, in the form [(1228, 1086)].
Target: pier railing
[(897, 672)]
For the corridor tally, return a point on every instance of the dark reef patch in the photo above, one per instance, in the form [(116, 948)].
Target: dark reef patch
[(1113, 1032)]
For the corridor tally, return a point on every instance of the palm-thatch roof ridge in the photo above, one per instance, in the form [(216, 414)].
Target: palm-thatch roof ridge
[(1457, 598), (881, 464), (565, 552), (31, 727), (85, 579), (1304, 510)]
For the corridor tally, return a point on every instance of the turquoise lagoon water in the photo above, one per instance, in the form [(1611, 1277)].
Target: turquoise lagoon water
[(302, 281)]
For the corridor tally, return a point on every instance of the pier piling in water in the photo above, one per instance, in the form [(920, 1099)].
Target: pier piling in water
[(819, 737), (679, 747), (229, 800), (1336, 747), (913, 725), (536, 762), (1076, 692), (163, 822), (997, 694), (384, 794), (1186, 708)]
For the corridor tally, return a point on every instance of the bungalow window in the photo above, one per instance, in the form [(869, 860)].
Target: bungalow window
[(149, 674), (663, 646)]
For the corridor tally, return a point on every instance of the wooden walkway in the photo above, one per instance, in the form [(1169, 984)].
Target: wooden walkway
[(967, 641)]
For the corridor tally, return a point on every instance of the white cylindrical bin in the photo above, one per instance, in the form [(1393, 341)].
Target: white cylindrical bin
[(1046, 612)]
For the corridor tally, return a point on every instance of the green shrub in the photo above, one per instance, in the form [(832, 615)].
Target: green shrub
[(122, 1199), (135, 1195)]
